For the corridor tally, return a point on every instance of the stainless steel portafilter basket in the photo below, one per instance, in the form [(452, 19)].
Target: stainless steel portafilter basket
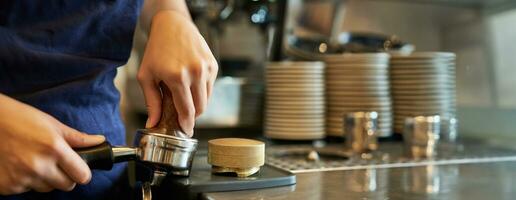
[(165, 152)]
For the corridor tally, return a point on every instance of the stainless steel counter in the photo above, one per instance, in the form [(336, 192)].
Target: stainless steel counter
[(494, 179), (463, 181)]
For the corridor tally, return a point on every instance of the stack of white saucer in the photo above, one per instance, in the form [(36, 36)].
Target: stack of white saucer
[(295, 102), (422, 83), (357, 82)]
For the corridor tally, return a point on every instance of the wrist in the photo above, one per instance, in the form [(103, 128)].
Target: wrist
[(172, 18), (152, 7), (170, 15), (173, 12)]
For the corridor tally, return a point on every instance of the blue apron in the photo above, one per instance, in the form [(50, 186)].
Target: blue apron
[(60, 56)]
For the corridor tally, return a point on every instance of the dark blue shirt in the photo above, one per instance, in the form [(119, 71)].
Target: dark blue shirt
[(60, 56)]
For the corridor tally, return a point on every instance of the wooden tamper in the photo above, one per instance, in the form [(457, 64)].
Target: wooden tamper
[(243, 157), (168, 123)]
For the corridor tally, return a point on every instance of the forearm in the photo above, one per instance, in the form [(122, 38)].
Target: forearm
[(6, 104), (152, 7)]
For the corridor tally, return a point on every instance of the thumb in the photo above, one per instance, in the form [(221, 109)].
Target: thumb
[(78, 139)]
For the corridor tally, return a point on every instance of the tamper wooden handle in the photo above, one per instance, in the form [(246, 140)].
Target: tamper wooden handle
[(168, 123)]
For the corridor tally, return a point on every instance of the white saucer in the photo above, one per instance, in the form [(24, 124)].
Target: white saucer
[(333, 92), (357, 71), (439, 86), (294, 72), (294, 129), (294, 76), (299, 64), (282, 126), (295, 99), (312, 121), (306, 85), (357, 88), (357, 66), (361, 78), (294, 81), (290, 136), (346, 83), (295, 91), (300, 108), (359, 104), (295, 102), (293, 116), (423, 77), (429, 92), (422, 81), (291, 93)]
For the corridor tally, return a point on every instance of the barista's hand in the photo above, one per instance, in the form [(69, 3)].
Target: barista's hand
[(36, 153), (177, 54)]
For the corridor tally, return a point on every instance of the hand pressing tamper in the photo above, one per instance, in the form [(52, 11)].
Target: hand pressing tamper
[(165, 149), (242, 157)]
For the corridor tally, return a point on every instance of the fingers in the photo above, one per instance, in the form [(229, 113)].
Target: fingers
[(212, 76), (183, 102), (190, 86), (56, 178), (41, 186), (199, 94), (209, 85), (152, 95), (44, 175), (200, 97), (14, 190), (51, 178), (14, 183), (77, 139), (70, 162)]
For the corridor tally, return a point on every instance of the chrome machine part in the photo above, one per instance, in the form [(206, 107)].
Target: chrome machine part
[(421, 135), (449, 130), (146, 191), (157, 178), (361, 131), (121, 154)]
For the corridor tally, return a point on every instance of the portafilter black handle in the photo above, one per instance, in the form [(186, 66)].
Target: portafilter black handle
[(98, 157), (103, 156)]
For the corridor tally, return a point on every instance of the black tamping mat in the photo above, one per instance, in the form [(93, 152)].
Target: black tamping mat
[(201, 180)]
